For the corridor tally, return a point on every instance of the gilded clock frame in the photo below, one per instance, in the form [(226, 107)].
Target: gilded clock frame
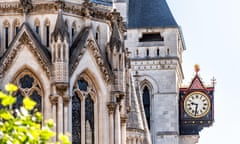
[(203, 114)]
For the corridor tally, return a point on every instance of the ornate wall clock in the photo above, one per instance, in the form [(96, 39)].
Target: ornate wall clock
[(197, 104)]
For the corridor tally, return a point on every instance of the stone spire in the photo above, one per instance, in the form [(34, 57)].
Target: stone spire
[(115, 40), (60, 29)]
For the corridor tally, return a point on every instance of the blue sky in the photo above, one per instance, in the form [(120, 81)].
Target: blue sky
[(211, 30)]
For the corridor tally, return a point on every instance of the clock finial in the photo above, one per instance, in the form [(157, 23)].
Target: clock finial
[(197, 68)]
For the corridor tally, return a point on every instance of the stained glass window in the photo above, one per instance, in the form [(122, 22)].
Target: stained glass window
[(76, 119), (146, 104), (82, 84), (89, 120), (88, 114), (28, 87)]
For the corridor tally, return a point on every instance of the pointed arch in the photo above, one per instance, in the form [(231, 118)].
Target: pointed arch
[(6, 35), (37, 25), (73, 30), (47, 32), (84, 109), (147, 90), (16, 26), (97, 35), (28, 85)]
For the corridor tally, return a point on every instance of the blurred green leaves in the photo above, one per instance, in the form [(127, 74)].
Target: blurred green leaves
[(24, 125)]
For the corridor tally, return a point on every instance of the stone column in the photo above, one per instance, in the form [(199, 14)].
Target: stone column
[(60, 115), (123, 129), (66, 100), (117, 126), (54, 101), (83, 120), (111, 108), (134, 140)]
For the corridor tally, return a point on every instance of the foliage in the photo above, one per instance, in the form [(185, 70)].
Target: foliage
[(23, 125)]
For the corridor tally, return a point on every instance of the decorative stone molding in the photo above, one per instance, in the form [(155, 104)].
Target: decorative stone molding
[(26, 4), (66, 100), (124, 119), (164, 63), (99, 60), (86, 9), (24, 40), (53, 100), (111, 107)]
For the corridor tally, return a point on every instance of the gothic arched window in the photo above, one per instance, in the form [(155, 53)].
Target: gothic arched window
[(16, 25), (37, 25), (47, 32), (28, 86), (146, 104), (6, 33), (74, 29), (83, 117)]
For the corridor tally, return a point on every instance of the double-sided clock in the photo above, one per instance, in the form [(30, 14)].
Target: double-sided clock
[(197, 104)]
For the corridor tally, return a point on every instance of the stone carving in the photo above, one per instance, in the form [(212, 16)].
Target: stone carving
[(53, 100), (26, 4)]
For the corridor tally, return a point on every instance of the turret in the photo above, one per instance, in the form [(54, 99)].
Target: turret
[(116, 53), (60, 51)]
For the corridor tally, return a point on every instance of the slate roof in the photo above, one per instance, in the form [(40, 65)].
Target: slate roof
[(103, 2), (60, 27), (78, 44), (150, 14)]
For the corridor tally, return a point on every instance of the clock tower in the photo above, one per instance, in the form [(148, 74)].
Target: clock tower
[(196, 106)]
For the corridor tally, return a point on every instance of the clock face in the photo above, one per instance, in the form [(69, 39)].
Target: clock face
[(197, 104)]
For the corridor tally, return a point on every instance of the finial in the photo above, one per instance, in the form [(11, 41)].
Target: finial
[(197, 68)]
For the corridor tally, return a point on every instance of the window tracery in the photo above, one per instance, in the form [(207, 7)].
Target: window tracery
[(83, 96), (28, 85)]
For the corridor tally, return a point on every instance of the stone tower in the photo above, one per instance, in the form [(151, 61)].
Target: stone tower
[(156, 45)]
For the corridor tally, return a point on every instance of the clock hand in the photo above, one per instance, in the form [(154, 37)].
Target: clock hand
[(196, 109), (193, 103)]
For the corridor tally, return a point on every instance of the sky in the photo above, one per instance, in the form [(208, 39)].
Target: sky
[(211, 29)]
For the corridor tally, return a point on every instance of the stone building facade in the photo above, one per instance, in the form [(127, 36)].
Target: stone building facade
[(106, 72)]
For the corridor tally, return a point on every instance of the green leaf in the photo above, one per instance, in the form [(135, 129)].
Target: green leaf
[(64, 139), (2, 95), (50, 123), (6, 115), (9, 100), (11, 87), (28, 103)]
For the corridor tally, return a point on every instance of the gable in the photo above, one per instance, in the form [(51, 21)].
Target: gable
[(83, 43), (25, 38)]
